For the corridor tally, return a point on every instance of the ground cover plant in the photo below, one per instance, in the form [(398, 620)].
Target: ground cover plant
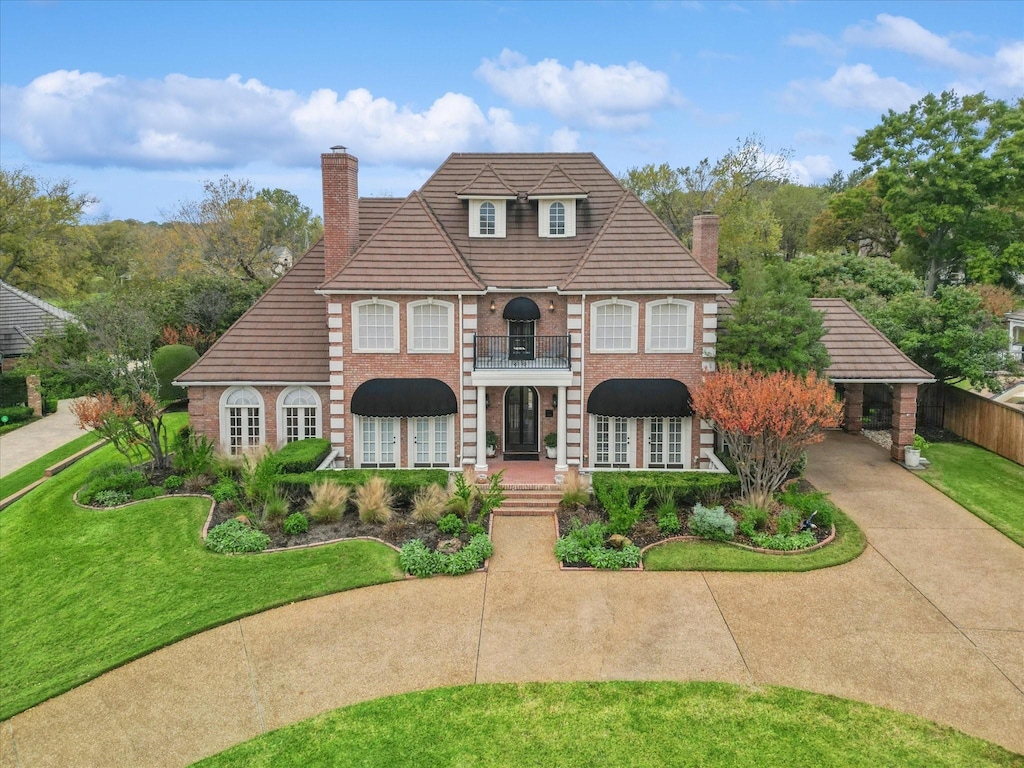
[(85, 590), (985, 483), (714, 725)]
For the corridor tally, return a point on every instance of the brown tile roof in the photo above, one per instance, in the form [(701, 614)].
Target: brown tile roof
[(522, 259), (24, 317), (409, 252), (557, 182), (281, 338), (859, 351), (374, 211), (487, 183), (634, 250)]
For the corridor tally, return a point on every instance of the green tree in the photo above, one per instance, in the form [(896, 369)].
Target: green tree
[(867, 282), (772, 326), (855, 221), (950, 334), (796, 206), (37, 228), (949, 172)]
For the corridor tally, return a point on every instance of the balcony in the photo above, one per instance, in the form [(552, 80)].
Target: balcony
[(499, 353)]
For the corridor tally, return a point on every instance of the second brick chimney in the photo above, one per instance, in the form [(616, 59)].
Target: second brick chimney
[(705, 241), (341, 208)]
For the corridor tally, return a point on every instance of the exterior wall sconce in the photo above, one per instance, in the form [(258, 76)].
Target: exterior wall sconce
[(492, 305), (551, 305), (487, 401), (554, 400)]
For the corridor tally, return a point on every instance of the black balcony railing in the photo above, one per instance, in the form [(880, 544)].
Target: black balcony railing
[(500, 352)]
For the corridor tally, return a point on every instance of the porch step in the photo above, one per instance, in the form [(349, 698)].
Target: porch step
[(530, 500)]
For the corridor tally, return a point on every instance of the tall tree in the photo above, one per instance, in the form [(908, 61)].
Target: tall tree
[(37, 227), (950, 171), (796, 206), (855, 221), (864, 281), (772, 326)]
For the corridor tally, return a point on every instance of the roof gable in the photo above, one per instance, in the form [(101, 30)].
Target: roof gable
[(487, 184), (23, 317), (557, 182)]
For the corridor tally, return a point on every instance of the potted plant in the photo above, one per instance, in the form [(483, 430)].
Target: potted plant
[(551, 444), (912, 453), (492, 443)]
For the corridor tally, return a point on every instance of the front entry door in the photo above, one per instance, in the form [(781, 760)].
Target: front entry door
[(521, 420)]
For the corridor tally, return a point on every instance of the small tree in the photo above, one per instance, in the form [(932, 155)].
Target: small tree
[(134, 426), (767, 420)]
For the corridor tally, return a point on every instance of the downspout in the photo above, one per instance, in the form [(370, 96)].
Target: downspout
[(584, 419), (459, 349)]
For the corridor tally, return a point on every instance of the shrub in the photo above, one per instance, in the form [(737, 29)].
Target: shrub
[(275, 507), (809, 503), (492, 498), (111, 498), (234, 536), (257, 475), (573, 492), (668, 523), (403, 483), (614, 559), (295, 524), (800, 466), (224, 489), (463, 491), (787, 522), (168, 363), (374, 499), (16, 413), (328, 501), (428, 504), (147, 492), (13, 390), (783, 542), (198, 483), (573, 546), (752, 519), (174, 482), (419, 561), (622, 515), (112, 477), (450, 524), (687, 487), (712, 523), (302, 455), (394, 530), (193, 454), (475, 529)]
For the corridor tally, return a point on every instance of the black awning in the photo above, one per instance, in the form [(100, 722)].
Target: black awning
[(639, 398), (521, 308), (403, 397)]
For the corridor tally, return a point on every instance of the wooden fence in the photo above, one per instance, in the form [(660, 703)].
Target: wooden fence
[(992, 425)]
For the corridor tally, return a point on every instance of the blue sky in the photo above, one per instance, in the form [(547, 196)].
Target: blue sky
[(141, 102)]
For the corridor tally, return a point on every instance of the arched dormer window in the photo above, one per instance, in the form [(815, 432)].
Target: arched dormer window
[(556, 219), (487, 218)]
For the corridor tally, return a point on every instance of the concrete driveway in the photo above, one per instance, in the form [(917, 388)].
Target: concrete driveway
[(930, 620)]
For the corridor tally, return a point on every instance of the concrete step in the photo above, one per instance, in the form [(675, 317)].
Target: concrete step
[(522, 502)]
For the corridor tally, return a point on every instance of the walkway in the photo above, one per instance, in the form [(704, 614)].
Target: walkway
[(28, 443), (930, 620)]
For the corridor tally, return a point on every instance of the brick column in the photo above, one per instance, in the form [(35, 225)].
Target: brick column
[(904, 418), (854, 413), (35, 398)]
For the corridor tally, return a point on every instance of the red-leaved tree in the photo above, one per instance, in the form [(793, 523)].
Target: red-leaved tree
[(766, 420), (134, 428)]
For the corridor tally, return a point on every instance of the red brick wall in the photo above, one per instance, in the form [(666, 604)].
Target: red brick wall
[(204, 411), (904, 418), (340, 173), (705, 241)]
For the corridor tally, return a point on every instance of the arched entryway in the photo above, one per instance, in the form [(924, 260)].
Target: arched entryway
[(522, 423)]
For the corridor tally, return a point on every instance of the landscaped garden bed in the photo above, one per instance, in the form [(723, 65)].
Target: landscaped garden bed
[(628, 513)]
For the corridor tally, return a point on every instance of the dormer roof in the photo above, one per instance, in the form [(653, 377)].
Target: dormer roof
[(487, 183), (557, 183)]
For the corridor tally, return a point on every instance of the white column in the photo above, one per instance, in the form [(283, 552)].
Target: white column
[(561, 464), (481, 430)]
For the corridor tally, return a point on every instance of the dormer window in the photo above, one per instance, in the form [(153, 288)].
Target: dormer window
[(556, 218), (487, 218)]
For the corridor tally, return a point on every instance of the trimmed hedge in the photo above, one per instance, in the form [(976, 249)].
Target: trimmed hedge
[(16, 413), (13, 390), (169, 362), (404, 482), (302, 455), (687, 488)]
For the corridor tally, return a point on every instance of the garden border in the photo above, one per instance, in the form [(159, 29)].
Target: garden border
[(760, 550), (52, 470)]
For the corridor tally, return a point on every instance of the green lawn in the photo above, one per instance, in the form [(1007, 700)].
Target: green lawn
[(84, 591), (614, 724), (986, 484), (713, 556), (28, 474)]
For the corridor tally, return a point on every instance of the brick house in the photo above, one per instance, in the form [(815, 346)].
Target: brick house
[(519, 295)]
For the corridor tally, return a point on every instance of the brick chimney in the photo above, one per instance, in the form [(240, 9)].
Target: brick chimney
[(705, 241), (341, 208)]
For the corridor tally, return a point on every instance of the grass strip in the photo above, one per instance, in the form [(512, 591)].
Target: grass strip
[(714, 556), (84, 591), (982, 482), (28, 474), (614, 724)]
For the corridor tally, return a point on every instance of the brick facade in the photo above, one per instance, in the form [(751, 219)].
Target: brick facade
[(204, 410), (853, 412), (904, 418), (341, 209)]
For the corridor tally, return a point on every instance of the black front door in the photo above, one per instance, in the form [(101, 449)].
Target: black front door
[(521, 420), (520, 339)]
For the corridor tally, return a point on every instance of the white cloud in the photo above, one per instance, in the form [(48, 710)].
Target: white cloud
[(854, 87), (617, 97), (812, 168), (816, 41), (900, 33), (180, 121), (563, 140)]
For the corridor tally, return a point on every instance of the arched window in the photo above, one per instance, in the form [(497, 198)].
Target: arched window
[(556, 219), (299, 417), (613, 326), (669, 326), (431, 326), (487, 219), (241, 419), (375, 326)]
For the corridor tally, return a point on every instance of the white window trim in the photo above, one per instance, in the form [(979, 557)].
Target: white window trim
[(356, 306), (687, 440), (225, 422), (630, 444), (411, 326), (358, 445), (474, 217), (544, 217), (281, 427), (634, 323), (450, 449), (687, 337)]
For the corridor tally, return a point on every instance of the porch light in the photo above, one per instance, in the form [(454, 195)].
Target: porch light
[(554, 400), (551, 305), (492, 305)]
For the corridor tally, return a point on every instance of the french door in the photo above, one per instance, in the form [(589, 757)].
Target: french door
[(668, 443), (612, 443), (521, 420), (431, 444), (378, 442)]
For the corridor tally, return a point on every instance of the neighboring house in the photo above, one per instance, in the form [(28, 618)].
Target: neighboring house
[(1015, 321), (520, 294), (23, 318)]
